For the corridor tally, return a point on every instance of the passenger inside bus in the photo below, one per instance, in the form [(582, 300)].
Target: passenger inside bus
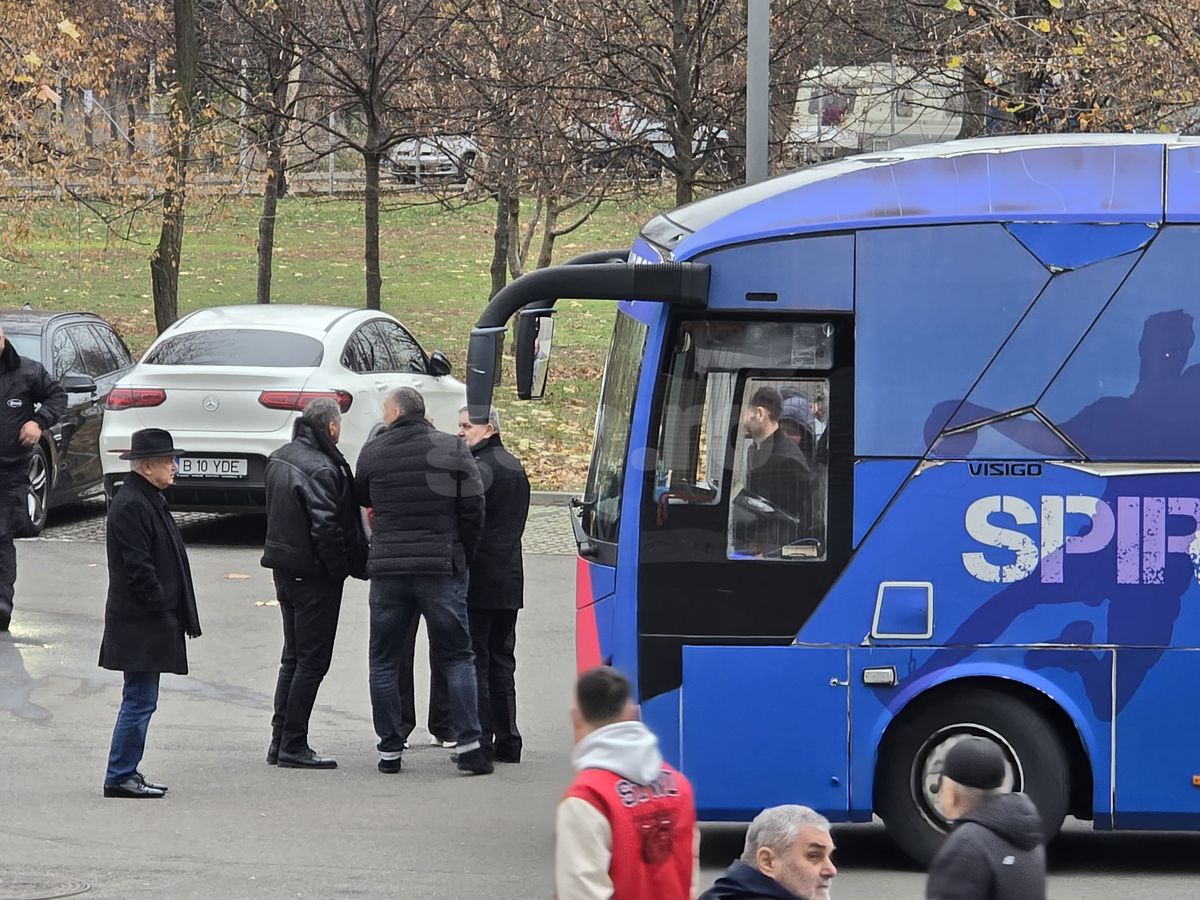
[(775, 504)]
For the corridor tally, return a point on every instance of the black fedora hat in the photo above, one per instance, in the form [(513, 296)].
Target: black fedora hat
[(151, 443)]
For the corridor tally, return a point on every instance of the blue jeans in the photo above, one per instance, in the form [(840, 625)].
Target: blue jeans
[(442, 600), (139, 699)]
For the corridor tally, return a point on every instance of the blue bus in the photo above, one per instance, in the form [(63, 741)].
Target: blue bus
[(895, 450)]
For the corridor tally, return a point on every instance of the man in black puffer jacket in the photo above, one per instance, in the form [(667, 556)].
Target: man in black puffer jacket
[(315, 540), (995, 850), (23, 385), (427, 501)]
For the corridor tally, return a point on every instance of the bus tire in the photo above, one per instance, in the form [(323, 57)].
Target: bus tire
[(913, 747)]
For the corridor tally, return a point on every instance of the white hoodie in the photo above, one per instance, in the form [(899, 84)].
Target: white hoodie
[(583, 846)]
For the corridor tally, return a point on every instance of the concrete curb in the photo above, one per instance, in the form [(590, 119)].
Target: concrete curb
[(551, 498)]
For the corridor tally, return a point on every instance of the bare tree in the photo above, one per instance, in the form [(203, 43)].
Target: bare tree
[(260, 73), (164, 263)]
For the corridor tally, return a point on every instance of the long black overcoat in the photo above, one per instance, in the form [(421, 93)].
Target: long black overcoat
[(151, 600), (497, 577)]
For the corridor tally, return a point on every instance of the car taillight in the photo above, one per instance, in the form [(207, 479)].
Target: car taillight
[(297, 400), (128, 398)]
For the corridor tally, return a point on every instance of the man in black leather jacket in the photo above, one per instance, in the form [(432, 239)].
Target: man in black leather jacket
[(315, 539), (24, 385)]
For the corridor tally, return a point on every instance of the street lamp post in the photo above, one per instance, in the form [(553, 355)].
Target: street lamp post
[(758, 44)]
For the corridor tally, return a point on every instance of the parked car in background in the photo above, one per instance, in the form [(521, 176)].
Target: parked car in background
[(87, 356), (448, 159), (228, 382)]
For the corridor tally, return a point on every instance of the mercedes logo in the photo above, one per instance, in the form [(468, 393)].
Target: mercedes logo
[(210, 403)]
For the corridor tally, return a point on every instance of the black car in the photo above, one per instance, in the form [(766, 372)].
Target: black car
[(87, 356)]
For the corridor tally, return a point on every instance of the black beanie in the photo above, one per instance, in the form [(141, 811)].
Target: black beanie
[(975, 762)]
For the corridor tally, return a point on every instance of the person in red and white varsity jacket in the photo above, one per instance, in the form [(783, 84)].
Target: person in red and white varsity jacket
[(626, 827)]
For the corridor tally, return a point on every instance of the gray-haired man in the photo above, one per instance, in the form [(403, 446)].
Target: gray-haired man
[(314, 540), (427, 501), (788, 855)]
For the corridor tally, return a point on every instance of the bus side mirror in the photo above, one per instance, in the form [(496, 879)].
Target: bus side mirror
[(534, 342), (485, 354)]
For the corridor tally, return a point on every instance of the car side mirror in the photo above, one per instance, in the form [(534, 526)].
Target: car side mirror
[(439, 365), (78, 384)]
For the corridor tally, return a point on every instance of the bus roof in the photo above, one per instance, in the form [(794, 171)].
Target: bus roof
[(1097, 178)]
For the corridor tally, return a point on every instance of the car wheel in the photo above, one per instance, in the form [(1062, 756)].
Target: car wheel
[(38, 498), (910, 765)]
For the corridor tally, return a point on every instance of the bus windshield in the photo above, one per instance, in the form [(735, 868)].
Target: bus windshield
[(606, 476)]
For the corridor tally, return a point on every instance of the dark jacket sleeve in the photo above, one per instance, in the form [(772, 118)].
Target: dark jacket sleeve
[(469, 505), (959, 871), (325, 524), (362, 480), (50, 394), (133, 523)]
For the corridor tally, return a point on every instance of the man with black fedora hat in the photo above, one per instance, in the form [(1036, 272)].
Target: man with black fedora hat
[(994, 851), (151, 604)]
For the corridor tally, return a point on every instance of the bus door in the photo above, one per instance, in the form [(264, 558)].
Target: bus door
[(746, 514)]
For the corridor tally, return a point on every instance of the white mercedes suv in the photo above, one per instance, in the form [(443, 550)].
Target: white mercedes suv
[(228, 382)]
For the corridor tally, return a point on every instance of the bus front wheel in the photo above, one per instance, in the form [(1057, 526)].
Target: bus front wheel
[(914, 749)]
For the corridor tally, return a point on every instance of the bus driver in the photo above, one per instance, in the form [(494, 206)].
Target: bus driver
[(777, 473)]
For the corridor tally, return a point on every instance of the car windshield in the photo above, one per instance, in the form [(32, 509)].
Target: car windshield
[(28, 346), (238, 347)]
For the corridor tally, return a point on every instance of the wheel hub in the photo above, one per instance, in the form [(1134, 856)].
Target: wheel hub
[(931, 760)]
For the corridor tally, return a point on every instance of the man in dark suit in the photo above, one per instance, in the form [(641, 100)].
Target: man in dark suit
[(151, 604), (497, 586)]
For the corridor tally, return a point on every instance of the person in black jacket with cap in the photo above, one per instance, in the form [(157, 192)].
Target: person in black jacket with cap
[(497, 588), (314, 541), (151, 604), (23, 385), (995, 850)]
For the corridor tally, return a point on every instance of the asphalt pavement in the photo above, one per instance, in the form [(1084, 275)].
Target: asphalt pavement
[(233, 827)]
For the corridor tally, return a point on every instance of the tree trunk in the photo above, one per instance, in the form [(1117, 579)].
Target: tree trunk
[(500, 238), (682, 101), (516, 264), (130, 122), (164, 264), (266, 222), (371, 220), (546, 254)]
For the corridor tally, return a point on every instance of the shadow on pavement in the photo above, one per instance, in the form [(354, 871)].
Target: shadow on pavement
[(223, 529)]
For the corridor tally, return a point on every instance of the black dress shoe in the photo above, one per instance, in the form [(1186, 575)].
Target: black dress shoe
[(131, 788), (150, 784), (474, 762), (306, 760), (507, 756), (273, 753)]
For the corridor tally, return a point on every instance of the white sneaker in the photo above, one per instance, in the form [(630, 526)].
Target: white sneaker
[(434, 741)]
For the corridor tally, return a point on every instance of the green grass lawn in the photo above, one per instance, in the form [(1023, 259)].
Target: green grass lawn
[(434, 263)]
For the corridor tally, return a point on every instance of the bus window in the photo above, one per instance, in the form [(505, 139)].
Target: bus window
[(606, 474), (696, 434), (780, 471)]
